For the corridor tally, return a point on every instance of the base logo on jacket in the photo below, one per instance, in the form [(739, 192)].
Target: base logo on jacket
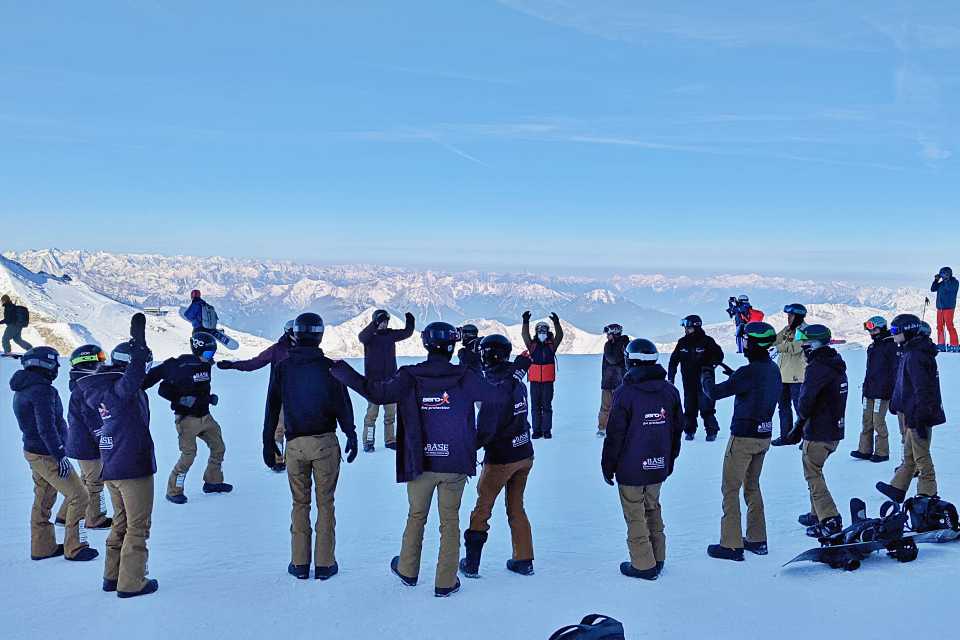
[(651, 464), (654, 419), (106, 443), (201, 376), (436, 450), (435, 403), (521, 439)]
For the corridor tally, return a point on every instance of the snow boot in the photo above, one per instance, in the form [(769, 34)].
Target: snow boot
[(808, 520), (109, 585), (601, 433), (688, 436), (897, 495), (325, 573), (280, 467), (756, 548), (711, 436), (537, 435), (217, 487), (150, 587), (473, 541), (723, 553), (84, 555), (859, 455), (447, 591), (876, 458), (180, 498), (522, 567), (630, 571), (56, 553), (299, 571), (107, 523), (547, 435), (368, 447), (828, 527), (410, 582), (391, 445)]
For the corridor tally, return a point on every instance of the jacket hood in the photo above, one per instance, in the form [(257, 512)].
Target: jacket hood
[(23, 379), (828, 356), (439, 370), (922, 344), (642, 374), (306, 354)]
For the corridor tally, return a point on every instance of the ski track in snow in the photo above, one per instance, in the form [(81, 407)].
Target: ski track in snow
[(221, 560)]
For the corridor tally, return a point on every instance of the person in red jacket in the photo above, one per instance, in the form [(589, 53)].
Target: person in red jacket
[(542, 349)]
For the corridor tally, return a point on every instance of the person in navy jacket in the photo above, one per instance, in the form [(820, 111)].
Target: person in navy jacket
[(129, 462), (642, 443), (380, 363), (39, 413), (438, 437), (882, 358)]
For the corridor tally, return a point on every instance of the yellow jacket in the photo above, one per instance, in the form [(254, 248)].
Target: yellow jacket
[(792, 361)]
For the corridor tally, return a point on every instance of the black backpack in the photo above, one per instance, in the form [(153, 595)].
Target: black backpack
[(595, 626), (21, 316)]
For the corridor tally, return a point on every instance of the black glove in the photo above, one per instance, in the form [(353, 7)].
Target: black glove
[(554, 317), (410, 319), (271, 452), (608, 479), (794, 436), (214, 399), (351, 448), (225, 364), (64, 467), (526, 316), (138, 330), (187, 401)]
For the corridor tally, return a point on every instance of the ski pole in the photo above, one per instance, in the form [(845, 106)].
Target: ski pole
[(926, 301)]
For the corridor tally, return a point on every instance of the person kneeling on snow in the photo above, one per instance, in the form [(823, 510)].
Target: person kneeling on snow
[(757, 388), (507, 461), (185, 382), (642, 443)]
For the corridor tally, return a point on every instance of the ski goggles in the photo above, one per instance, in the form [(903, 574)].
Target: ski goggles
[(614, 329), (795, 309), (208, 355), (687, 322), (90, 357), (875, 323)]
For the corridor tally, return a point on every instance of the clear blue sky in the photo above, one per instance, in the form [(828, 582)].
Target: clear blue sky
[(575, 134)]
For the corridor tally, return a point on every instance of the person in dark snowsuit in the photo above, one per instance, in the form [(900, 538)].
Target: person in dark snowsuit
[(642, 444), (542, 349), (13, 326), (437, 440), (613, 368), (694, 351), (882, 357), (380, 363)]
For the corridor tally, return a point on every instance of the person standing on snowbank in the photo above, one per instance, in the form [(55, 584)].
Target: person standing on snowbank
[(757, 388), (16, 318), (380, 363), (878, 384), (437, 443), (613, 368), (792, 365), (642, 444), (39, 413), (916, 396), (129, 463), (313, 402), (694, 351), (946, 286), (543, 349), (185, 382)]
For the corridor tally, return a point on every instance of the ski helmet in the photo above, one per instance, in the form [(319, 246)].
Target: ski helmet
[(380, 316), (87, 358), (796, 309), (640, 352), (469, 332), (692, 320), (46, 359), (812, 337), (308, 329), (439, 337), (122, 355), (946, 272), (613, 330), (288, 327), (743, 298), (876, 322), (906, 324), (195, 294), (495, 349), (925, 329), (759, 335), (203, 345)]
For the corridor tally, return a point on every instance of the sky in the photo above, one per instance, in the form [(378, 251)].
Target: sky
[(568, 135)]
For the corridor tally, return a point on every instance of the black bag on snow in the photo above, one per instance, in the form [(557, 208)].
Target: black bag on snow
[(930, 513), (595, 626), (21, 316)]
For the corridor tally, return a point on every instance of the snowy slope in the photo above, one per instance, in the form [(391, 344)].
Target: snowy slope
[(221, 560)]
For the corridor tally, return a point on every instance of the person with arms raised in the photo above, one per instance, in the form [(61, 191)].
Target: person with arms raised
[(380, 363), (542, 348)]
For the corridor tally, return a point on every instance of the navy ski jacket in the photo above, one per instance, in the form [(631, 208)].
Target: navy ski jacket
[(126, 447), (469, 355), (437, 429), (946, 291), (182, 377), (83, 424), (194, 313), (643, 432), (512, 441), (39, 412), (693, 352), (916, 393), (823, 396), (380, 349), (882, 365), (312, 400), (614, 363), (757, 387)]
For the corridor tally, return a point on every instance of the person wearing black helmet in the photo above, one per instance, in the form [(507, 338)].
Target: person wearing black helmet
[(507, 461), (611, 373), (757, 388), (437, 442), (792, 364), (542, 348), (917, 398), (642, 444), (469, 353), (185, 382), (272, 355), (83, 438), (881, 373), (379, 363), (694, 351), (945, 285), (313, 403), (129, 463), (39, 413)]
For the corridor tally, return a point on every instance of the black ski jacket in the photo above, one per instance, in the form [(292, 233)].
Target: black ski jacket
[(882, 365), (186, 376), (614, 363), (916, 393), (823, 396), (693, 352)]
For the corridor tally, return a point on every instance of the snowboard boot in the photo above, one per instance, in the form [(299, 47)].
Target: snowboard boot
[(473, 541), (876, 458), (217, 487), (724, 553), (711, 436), (446, 592), (828, 527), (942, 348), (325, 573), (180, 498), (756, 548), (808, 520), (391, 445), (410, 582), (859, 455), (150, 587), (106, 523), (630, 571), (84, 555), (522, 567), (897, 495), (688, 436), (537, 435), (299, 571), (56, 554), (660, 567), (368, 447), (110, 586), (547, 435)]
